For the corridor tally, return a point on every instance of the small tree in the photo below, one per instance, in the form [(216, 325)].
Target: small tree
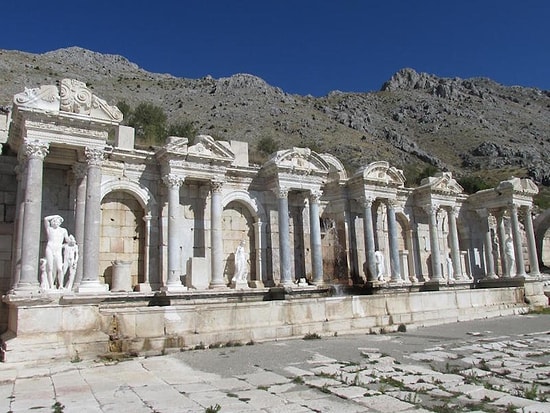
[(149, 121), (126, 111), (184, 129), (267, 145)]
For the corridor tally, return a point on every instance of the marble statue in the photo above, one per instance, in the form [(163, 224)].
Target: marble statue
[(510, 256), (380, 265), (44, 283), (240, 275), (450, 269), (240, 264), (70, 260), (56, 236)]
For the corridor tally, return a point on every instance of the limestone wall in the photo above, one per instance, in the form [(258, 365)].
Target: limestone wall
[(143, 324)]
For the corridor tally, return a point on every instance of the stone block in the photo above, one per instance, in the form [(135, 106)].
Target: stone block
[(124, 137), (39, 319), (78, 317), (198, 273), (150, 322)]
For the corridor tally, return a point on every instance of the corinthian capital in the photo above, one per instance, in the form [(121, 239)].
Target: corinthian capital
[(315, 196), (172, 180), (216, 185), (94, 156), (431, 209), (35, 149), (281, 192), (366, 201)]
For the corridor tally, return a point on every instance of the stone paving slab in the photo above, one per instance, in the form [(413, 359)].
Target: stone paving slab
[(394, 372)]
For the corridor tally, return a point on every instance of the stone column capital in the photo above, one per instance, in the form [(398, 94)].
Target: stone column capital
[(94, 156), (281, 192), (390, 203), (315, 196), (431, 209), (172, 181), (35, 149), (453, 210), (216, 185), (367, 201)]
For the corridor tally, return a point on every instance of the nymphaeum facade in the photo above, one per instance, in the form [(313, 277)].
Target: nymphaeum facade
[(300, 213), (175, 214)]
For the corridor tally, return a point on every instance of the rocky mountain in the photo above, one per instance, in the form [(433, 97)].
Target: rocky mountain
[(417, 121)]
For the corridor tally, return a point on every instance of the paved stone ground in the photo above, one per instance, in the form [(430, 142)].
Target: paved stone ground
[(495, 365)]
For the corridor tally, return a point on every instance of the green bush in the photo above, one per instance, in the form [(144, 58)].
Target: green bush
[(473, 183)]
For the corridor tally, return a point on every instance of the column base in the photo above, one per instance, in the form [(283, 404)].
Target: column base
[(174, 288), (144, 288), (26, 289), (240, 285), (92, 287), (217, 286), (459, 281)]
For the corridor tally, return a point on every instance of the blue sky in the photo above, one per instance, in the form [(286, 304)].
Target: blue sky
[(304, 47)]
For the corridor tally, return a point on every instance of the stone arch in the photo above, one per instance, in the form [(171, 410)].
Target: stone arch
[(255, 208), (243, 217), (142, 194), (541, 227), (124, 233), (406, 246)]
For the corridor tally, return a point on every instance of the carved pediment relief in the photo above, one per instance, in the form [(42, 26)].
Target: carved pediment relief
[(300, 161), (518, 186), (72, 97), (444, 183), (382, 173), (208, 147), (45, 98), (75, 97)]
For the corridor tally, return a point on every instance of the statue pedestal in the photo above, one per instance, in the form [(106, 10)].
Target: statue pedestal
[(122, 279), (240, 285)]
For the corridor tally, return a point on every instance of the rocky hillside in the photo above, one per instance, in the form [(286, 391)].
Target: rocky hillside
[(417, 121)]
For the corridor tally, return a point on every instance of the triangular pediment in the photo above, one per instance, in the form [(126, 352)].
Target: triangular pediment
[(300, 161), (442, 183), (72, 97), (518, 186), (44, 98), (381, 173), (206, 147)]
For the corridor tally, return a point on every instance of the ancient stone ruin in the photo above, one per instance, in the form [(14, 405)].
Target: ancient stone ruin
[(106, 246)]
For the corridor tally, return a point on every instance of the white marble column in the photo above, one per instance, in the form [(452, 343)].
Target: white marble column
[(393, 242), (92, 224), (487, 245), (21, 173), (432, 210), (35, 152), (284, 237), (531, 243), (258, 247), (518, 245), (315, 238), (216, 240), (145, 286), (501, 236), (173, 281), (368, 234), (452, 214), (79, 172)]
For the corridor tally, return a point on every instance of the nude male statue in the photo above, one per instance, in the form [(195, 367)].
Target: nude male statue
[(56, 236)]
